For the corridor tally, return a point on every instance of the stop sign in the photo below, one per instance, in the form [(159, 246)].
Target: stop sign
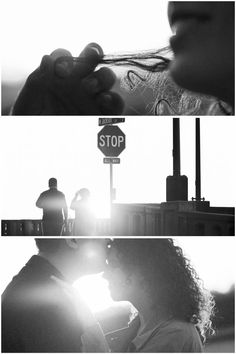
[(111, 140)]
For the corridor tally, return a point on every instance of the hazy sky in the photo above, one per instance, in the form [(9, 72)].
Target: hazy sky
[(33, 28), (213, 259), (38, 148)]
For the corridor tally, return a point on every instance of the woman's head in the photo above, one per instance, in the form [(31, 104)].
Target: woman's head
[(84, 193), (203, 45), (159, 269)]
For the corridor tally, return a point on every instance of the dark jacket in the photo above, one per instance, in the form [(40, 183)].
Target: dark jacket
[(36, 314)]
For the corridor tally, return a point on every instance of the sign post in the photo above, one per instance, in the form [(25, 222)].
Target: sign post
[(111, 185), (111, 142)]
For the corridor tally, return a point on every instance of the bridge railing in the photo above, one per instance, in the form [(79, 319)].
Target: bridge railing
[(31, 227), (152, 220), (142, 220)]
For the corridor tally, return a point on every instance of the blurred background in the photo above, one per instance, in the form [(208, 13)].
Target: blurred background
[(213, 259)]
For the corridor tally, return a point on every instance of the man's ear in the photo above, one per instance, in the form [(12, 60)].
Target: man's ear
[(72, 242)]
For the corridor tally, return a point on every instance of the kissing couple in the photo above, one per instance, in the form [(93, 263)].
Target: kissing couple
[(42, 313)]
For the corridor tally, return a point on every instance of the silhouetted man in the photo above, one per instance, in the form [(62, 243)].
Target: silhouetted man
[(37, 314), (54, 207)]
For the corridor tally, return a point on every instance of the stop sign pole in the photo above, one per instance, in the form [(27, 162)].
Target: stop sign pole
[(111, 141), (111, 186)]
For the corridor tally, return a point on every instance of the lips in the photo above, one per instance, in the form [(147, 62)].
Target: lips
[(186, 19), (185, 24), (201, 11), (180, 16)]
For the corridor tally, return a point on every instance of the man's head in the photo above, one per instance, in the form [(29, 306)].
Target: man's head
[(52, 182), (74, 257)]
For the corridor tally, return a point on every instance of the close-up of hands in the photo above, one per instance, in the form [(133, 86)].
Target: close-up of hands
[(63, 86)]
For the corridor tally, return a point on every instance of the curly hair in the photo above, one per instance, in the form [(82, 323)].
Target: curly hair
[(168, 273)]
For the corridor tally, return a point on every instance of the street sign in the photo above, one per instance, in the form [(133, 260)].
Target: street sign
[(113, 160), (106, 121), (111, 140)]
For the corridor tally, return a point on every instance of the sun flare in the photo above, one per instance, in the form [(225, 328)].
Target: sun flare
[(95, 292)]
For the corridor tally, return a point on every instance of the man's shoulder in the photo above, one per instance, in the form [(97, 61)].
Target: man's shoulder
[(22, 282), (45, 193), (60, 193), (52, 192), (32, 308), (29, 294)]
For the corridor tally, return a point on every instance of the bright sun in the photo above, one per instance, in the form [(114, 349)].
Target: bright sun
[(94, 290), (101, 208)]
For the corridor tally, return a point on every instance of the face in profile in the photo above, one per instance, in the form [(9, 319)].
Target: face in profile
[(121, 285), (203, 46)]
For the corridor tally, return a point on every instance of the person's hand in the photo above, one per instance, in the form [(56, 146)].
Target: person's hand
[(61, 86)]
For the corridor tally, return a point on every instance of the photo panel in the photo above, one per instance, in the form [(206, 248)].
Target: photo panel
[(74, 294), (132, 176), (109, 58)]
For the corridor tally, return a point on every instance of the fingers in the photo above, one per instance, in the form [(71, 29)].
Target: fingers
[(110, 103), (60, 52), (84, 91), (46, 66), (101, 80), (88, 60), (97, 85), (63, 63)]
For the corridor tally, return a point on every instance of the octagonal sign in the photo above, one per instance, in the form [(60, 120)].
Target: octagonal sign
[(111, 140)]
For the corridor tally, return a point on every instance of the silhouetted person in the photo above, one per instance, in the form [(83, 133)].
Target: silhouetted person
[(84, 218), (37, 315), (54, 207)]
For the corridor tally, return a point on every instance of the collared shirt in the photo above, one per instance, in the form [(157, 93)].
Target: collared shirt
[(171, 336), (36, 314)]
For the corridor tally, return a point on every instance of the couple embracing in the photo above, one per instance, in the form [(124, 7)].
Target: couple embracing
[(40, 312)]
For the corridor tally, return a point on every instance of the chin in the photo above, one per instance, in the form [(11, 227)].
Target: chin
[(201, 75), (189, 76), (116, 295)]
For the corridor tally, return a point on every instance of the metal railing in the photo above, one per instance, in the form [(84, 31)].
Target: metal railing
[(31, 227)]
